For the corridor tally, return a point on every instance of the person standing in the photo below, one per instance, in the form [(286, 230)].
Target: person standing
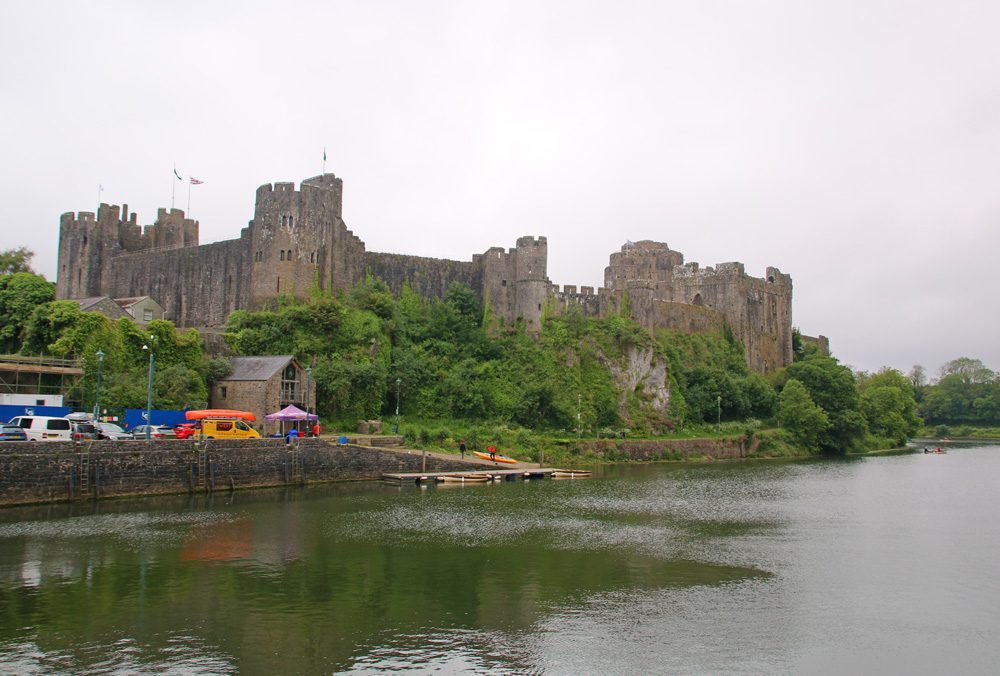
[(316, 428), (461, 448)]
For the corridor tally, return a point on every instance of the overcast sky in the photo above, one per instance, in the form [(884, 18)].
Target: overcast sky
[(853, 145)]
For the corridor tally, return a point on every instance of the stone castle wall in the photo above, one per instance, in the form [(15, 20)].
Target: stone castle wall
[(298, 240), (429, 277)]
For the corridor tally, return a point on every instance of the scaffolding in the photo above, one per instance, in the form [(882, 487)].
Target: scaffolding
[(20, 374)]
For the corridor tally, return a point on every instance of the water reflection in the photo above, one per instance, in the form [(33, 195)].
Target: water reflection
[(753, 567)]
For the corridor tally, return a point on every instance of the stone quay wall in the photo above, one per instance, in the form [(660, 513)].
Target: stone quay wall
[(63, 471)]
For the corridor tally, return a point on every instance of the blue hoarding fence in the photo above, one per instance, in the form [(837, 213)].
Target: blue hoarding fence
[(137, 416), (7, 411)]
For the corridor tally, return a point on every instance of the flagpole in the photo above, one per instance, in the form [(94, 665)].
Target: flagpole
[(189, 198), (100, 189), (324, 159), (173, 187)]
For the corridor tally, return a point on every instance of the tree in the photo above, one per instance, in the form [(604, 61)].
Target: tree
[(889, 405), (968, 393), (800, 416), (917, 376), (16, 260), (968, 371), (20, 294), (832, 387)]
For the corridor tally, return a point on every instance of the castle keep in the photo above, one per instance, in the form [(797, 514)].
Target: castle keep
[(298, 238)]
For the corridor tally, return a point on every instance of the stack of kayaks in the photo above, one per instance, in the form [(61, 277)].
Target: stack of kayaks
[(496, 457)]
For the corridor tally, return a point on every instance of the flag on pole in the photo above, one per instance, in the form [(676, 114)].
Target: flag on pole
[(177, 175), (195, 181), (324, 154)]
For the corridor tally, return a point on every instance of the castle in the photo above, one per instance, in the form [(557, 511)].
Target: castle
[(298, 238)]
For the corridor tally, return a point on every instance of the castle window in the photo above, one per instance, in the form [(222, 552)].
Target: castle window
[(282, 254), (85, 240), (278, 288), (289, 255), (289, 221), (539, 307), (312, 257), (503, 282), (284, 220)]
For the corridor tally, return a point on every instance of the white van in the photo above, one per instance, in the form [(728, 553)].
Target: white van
[(44, 428)]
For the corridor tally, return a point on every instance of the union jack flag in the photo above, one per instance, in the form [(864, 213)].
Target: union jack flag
[(195, 181)]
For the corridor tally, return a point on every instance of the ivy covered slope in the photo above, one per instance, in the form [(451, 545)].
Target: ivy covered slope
[(453, 360)]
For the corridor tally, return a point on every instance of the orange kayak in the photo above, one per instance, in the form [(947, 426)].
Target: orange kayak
[(496, 458)]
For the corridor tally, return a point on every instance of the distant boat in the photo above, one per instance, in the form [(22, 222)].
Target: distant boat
[(571, 473), (495, 458)]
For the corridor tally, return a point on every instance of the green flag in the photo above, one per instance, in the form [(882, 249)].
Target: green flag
[(177, 175)]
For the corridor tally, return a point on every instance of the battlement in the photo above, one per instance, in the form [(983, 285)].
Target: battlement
[(529, 241)]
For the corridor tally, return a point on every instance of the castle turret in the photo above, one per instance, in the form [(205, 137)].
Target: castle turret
[(298, 238), (532, 283)]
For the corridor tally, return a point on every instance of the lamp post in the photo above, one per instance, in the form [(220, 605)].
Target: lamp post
[(97, 400), (398, 381), (149, 389), (309, 371)]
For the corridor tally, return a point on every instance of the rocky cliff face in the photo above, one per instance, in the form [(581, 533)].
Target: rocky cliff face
[(641, 375)]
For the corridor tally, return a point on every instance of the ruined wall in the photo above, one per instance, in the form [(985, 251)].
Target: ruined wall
[(665, 292), (428, 277), (197, 286)]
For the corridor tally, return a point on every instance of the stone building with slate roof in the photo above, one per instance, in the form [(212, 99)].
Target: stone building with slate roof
[(264, 385)]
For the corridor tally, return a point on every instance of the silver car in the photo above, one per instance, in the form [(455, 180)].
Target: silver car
[(155, 432), (112, 431)]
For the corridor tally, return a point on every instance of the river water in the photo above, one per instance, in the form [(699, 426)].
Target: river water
[(877, 565)]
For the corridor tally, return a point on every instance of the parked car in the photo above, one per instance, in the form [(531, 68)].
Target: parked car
[(43, 427), (155, 432), (82, 426), (228, 429), (186, 430), (111, 431), (12, 433)]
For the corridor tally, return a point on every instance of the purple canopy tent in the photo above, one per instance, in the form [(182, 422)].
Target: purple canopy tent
[(290, 413)]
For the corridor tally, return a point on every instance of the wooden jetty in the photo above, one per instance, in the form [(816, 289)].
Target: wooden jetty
[(426, 478)]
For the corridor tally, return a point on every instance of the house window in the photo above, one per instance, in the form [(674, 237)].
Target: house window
[(147, 315), (222, 392), (290, 385)]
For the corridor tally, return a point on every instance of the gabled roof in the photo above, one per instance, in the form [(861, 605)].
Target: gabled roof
[(257, 368), (87, 303), (132, 300)]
